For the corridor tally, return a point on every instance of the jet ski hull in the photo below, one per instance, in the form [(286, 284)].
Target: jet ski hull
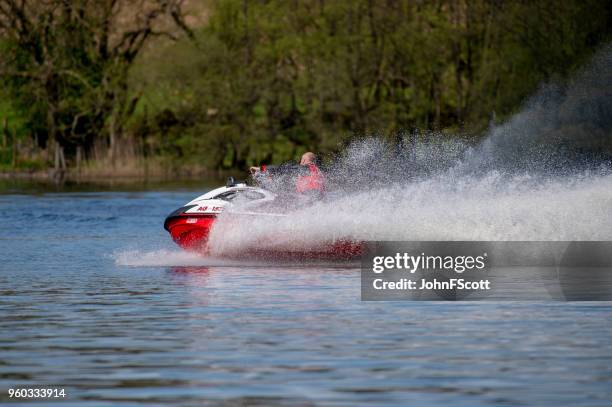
[(190, 227), (190, 232)]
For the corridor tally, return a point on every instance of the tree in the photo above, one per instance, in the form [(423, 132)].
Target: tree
[(66, 64)]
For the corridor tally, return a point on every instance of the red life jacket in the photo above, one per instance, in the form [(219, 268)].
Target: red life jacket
[(314, 181)]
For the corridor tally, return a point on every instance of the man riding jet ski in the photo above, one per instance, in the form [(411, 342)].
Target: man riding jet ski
[(280, 190), (307, 177)]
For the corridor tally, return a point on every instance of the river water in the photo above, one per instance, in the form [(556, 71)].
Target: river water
[(96, 299)]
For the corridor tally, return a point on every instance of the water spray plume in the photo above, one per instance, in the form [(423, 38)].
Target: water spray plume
[(542, 175)]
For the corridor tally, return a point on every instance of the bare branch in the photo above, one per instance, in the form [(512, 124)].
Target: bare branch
[(178, 18)]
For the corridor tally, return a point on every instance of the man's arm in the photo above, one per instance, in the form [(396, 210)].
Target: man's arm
[(288, 168)]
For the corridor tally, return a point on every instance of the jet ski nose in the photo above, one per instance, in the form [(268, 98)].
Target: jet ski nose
[(175, 214)]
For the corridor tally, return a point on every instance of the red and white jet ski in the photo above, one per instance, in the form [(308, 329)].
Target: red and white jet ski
[(191, 224)]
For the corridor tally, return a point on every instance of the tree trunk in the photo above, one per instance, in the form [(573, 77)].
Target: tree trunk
[(62, 158), (60, 163), (112, 141), (79, 153), (56, 165), (14, 138), (5, 133)]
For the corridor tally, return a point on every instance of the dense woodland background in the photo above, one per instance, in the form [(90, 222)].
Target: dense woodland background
[(192, 85)]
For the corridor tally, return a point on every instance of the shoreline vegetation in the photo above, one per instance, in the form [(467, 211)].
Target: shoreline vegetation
[(184, 89), (27, 165)]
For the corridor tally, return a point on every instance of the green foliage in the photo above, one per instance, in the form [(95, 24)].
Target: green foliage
[(16, 124), (65, 65), (22, 165), (268, 80), (53, 79)]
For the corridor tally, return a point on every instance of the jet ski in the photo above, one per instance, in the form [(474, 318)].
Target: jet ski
[(190, 225)]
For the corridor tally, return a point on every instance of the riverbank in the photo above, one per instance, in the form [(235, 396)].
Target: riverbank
[(118, 178), (157, 168)]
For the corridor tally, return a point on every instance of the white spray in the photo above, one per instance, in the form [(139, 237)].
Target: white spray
[(543, 175)]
